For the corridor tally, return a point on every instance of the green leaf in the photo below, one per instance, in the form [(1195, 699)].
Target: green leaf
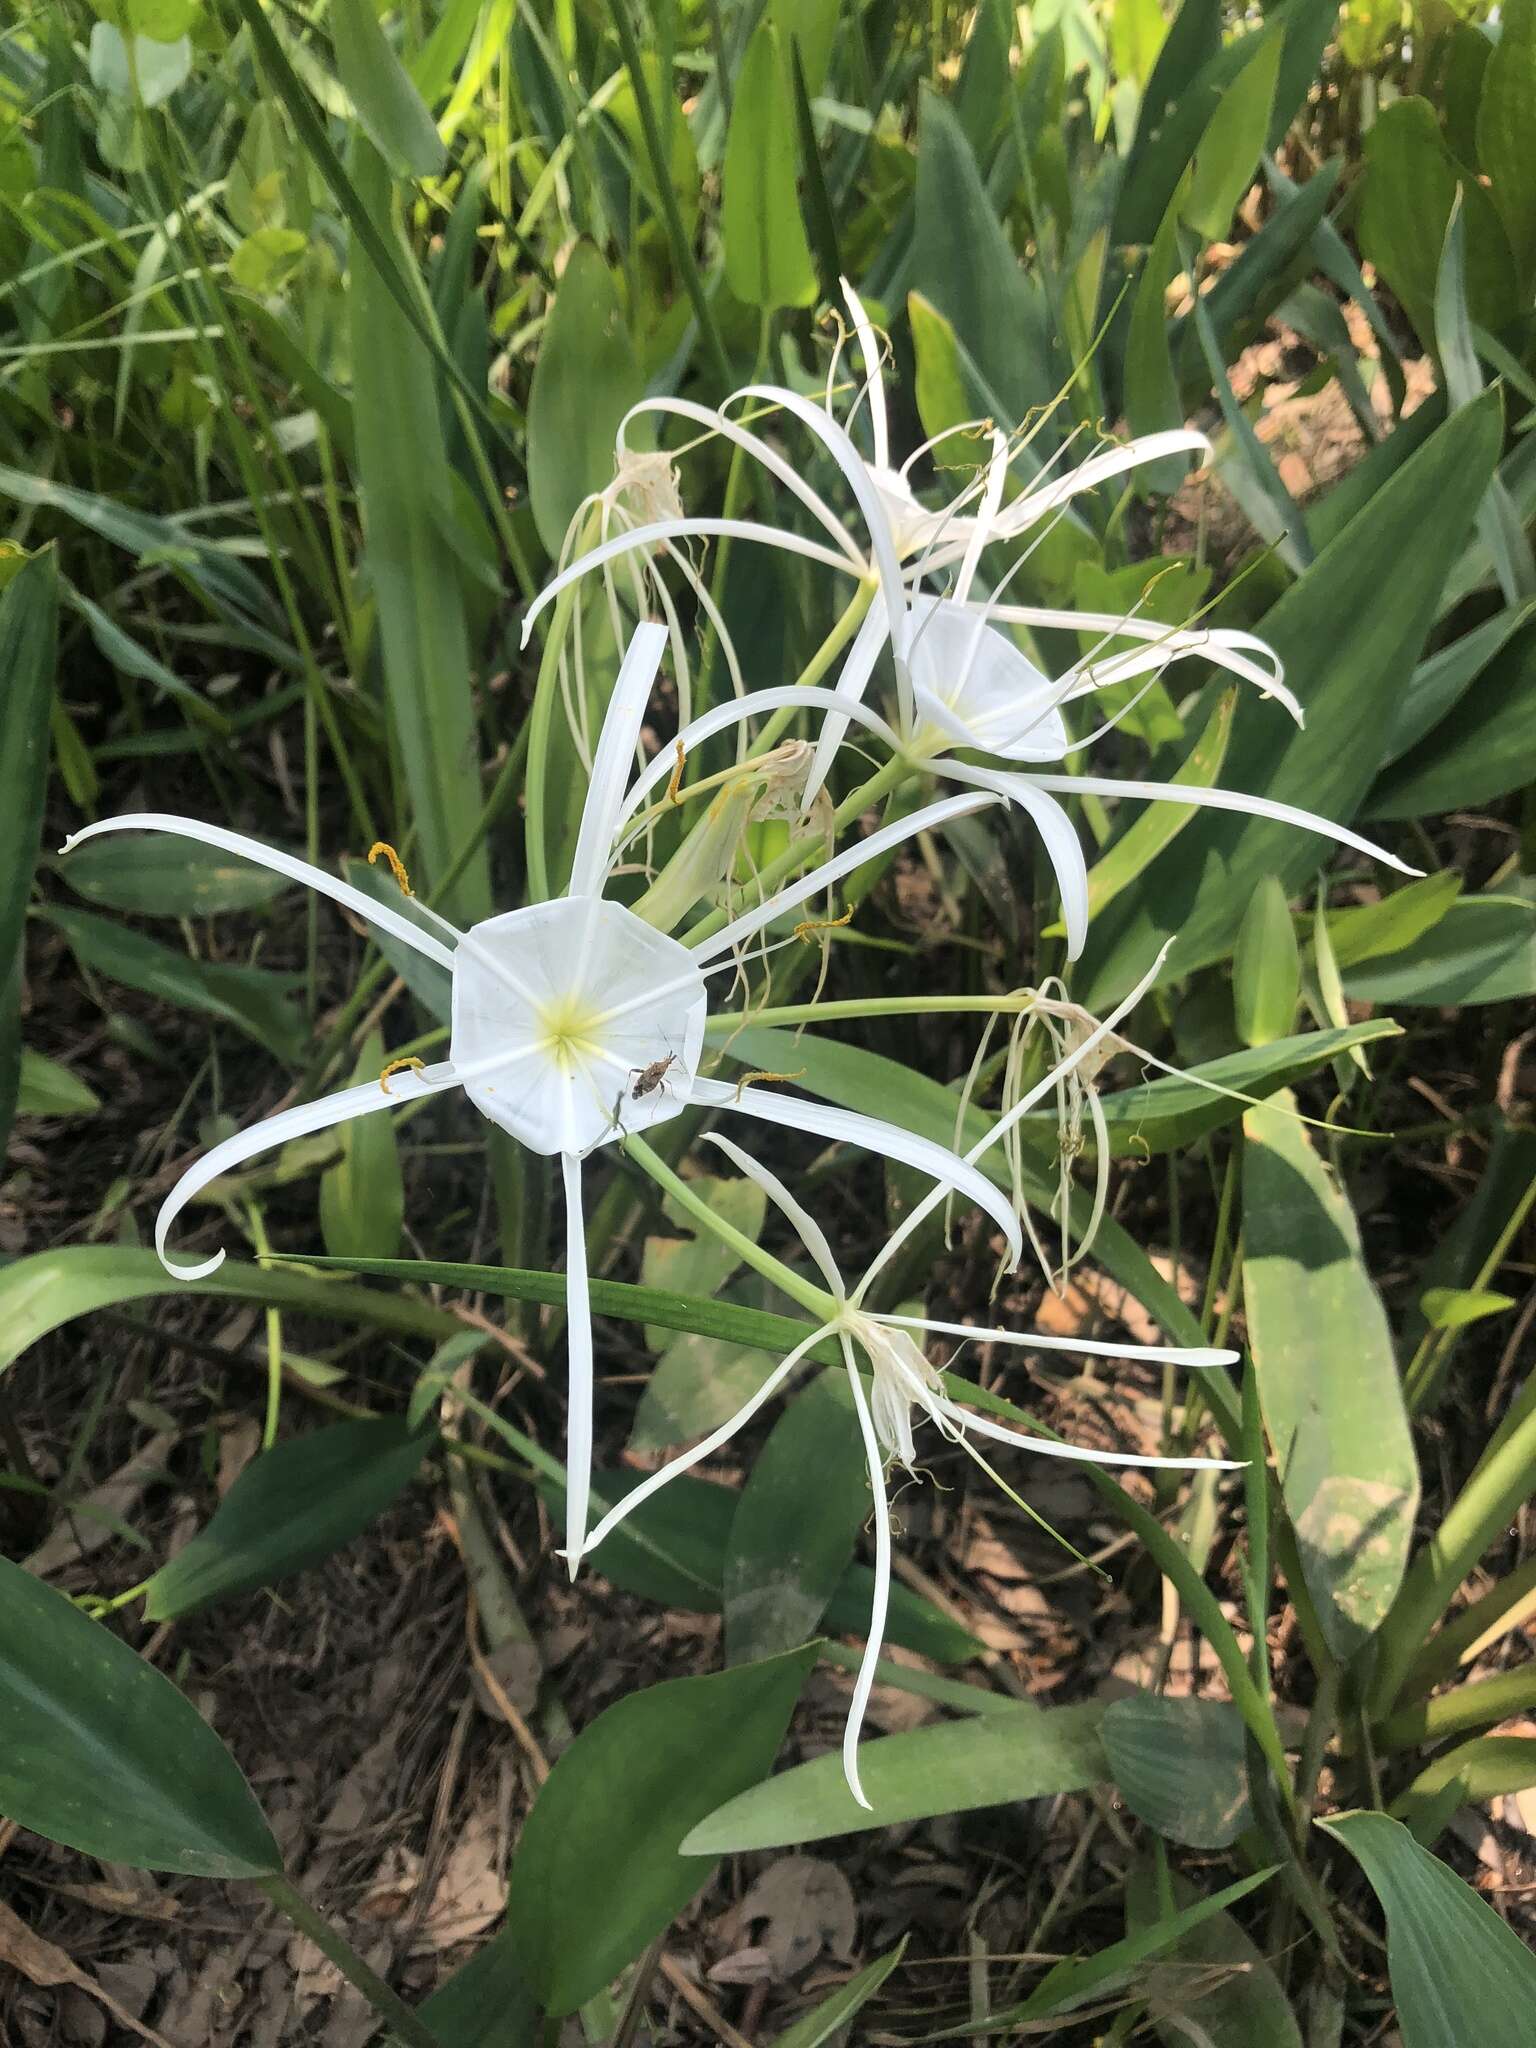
[(49, 1289), (767, 257), (1443, 678), (798, 1518), (1484, 749), (289, 1508), (1343, 1450), (1504, 131), (584, 382), (1461, 1978), (1347, 631), (158, 874), (697, 1262), (1228, 152), (1266, 967), (598, 1871), (1219, 1986), (255, 1000), (29, 614), (486, 2003), (1482, 951), (964, 265), (148, 76), (947, 1767), (362, 1197), (1160, 824), (388, 105), (100, 1751), (1180, 1765), (1409, 190), (819, 2025), (413, 552), (1453, 1308), (672, 1550), (267, 259), (1152, 400), (1073, 1982), (1393, 923), (48, 1089)]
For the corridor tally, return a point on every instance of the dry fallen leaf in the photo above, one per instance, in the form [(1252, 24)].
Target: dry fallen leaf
[(808, 1906), (42, 1963)]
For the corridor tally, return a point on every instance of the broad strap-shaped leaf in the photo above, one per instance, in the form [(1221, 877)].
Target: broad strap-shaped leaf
[(1328, 1381), (100, 1751), (584, 381), (1179, 1764), (29, 613), (598, 1870), (1217, 1980), (1482, 951), (948, 1767), (291, 1507), (1461, 1978), (387, 102)]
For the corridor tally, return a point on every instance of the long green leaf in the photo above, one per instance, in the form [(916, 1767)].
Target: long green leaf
[(29, 614), (387, 102), (100, 1751), (601, 1865), (291, 1507)]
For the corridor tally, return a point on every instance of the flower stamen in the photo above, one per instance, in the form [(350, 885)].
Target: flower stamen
[(747, 1079), (810, 925), (414, 1066), (382, 850)]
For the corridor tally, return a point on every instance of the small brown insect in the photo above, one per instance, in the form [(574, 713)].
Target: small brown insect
[(649, 1079)]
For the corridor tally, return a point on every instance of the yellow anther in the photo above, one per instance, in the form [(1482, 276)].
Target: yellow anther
[(675, 784), (747, 1079), (399, 1066), (811, 925), (382, 850)]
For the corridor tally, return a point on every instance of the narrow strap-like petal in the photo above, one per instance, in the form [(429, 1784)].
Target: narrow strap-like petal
[(707, 1446), (872, 1134), (852, 682), (1058, 835), (782, 696), (812, 1235), (798, 892), (874, 381), (864, 1683), (966, 1419), (983, 527), (1223, 800), (308, 1117), (1196, 1357), (835, 440), (615, 755), (355, 900), (578, 1352), (721, 423), (681, 529)]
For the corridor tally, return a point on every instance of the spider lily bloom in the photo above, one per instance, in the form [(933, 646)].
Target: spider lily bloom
[(905, 1388), (574, 1023)]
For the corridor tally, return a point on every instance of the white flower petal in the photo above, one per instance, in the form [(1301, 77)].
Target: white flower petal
[(874, 382), (780, 697), (852, 682), (614, 758), (1058, 835), (1223, 800), (721, 423), (578, 1352), (982, 527), (812, 884), (981, 1425), (1037, 1340), (658, 530), (708, 1445), (360, 904), (872, 1134), (302, 1122), (864, 1683), (812, 1235), (977, 687)]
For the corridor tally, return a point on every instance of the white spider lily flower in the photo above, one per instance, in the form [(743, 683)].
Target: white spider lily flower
[(905, 1387), (574, 1023)]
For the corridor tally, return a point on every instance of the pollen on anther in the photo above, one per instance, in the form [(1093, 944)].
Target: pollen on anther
[(400, 1066), (382, 850)]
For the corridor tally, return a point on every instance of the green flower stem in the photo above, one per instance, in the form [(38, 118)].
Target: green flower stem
[(727, 1022), (812, 845), (849, 622), (288, 1899), (816, 1299)]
